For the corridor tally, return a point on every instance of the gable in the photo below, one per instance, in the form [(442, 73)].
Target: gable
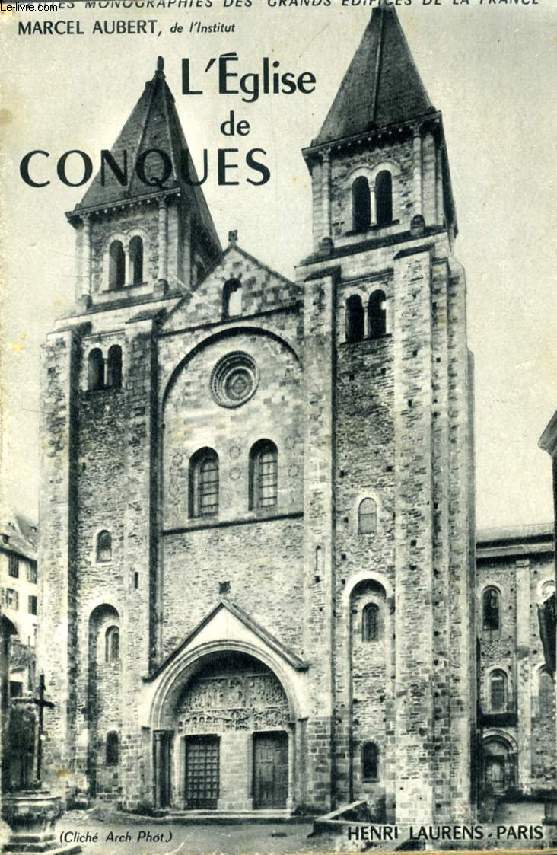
[(262, 290), (227, 622)]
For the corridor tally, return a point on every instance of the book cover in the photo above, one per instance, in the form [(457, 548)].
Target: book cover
[(277, 554)]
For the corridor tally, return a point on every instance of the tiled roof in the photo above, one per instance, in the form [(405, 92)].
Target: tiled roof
[(382, 85)]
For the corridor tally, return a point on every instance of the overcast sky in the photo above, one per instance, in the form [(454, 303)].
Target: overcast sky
[(490, 69)]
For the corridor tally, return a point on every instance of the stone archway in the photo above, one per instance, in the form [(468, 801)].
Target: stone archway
[(499, 764), (224, 736), (104, 702)]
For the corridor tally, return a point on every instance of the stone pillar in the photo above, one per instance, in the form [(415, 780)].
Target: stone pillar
[(413, 532), (319, 493), (429, 188), (522, 676), (139, 620), (84, 260), (316, 170), (162, 240), (292, 760), (440, 207), (57, 649), (161, 767), (418, 172), (326, 194)]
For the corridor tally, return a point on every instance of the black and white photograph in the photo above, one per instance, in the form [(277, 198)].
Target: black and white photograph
[(279, 426)]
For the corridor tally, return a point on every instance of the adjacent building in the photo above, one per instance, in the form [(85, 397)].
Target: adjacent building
[(516, 697), (20, 589)]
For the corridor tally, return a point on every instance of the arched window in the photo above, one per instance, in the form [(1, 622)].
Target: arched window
[(498, 691), (384, 198), (546, 693), (232, 298), (361, 204), (490, 610), (114, 367), (263, 475), (370, 762), (367, 516), (371, 628), (377, 314), (204, 483), (104, 546), (117, 271), (95, 370), (112, 748), (354, 319), (136, 260), (112, 644)]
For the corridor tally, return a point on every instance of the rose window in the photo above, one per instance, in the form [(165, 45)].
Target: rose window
[(234, 380)]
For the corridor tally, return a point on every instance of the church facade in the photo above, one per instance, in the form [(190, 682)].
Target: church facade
[(257, 518)]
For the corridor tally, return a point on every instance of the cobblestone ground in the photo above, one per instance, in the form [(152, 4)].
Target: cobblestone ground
[(120, 834)]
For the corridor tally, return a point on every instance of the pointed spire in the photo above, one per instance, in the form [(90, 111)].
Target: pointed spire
[(382, 85), (153, 124)]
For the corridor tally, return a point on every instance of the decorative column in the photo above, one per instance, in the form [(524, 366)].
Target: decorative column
[(158, 767), (162, 241), (162, 763)]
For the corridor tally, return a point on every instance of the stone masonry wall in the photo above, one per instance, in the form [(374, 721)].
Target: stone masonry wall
[(57, 639), (258, 552), (364, 467), (115, 482)]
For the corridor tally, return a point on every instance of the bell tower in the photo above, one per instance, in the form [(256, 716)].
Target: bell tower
[(379, 163), (144, 239), (143, 228), (389, 467)]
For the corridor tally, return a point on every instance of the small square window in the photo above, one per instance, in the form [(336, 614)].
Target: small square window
[(11, 599)]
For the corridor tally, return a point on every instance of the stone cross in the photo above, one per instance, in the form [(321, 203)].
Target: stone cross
[(42, 705)]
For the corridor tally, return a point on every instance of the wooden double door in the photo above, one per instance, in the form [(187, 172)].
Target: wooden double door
[(270, 771)]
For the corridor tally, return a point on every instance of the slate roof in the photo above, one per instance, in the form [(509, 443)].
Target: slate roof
[(153, 123), (514, 541), (18, 534), (382, 85)]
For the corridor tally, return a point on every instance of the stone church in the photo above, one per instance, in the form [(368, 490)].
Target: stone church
[(257, 518)]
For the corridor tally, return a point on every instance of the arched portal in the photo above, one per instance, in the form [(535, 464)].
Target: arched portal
[(103, 702), (499, 764), (223, 736)]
